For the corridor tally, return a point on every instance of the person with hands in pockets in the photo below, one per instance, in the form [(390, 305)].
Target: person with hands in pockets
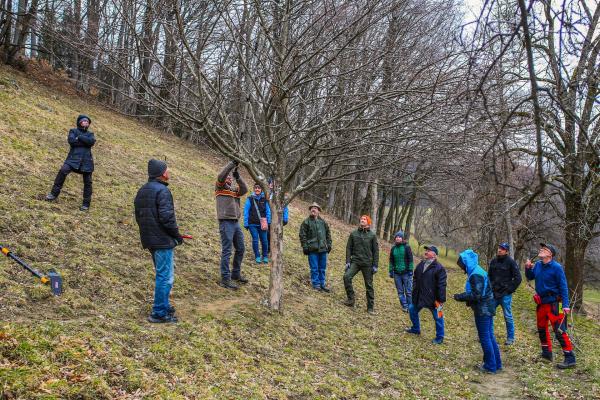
[(315, 240), (552, 299), (362, 255)]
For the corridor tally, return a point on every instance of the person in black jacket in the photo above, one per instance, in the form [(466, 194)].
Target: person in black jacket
[(505, 277), (429, 291), (155, 216), (79, 160)]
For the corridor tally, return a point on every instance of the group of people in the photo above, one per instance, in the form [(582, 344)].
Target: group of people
[(418, 288)]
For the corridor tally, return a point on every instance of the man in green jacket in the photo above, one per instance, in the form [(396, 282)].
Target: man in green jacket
[(362, 255), (316, 244)]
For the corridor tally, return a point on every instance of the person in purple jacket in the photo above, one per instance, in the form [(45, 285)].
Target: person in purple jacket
[(552, 299)]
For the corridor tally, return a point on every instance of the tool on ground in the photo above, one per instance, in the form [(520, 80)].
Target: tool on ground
[(53, 278), (187, 236)]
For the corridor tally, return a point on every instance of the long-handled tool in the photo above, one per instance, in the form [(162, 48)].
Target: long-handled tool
[(53, 278)]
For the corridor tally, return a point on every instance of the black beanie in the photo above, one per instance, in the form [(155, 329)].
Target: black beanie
[(156, 168)]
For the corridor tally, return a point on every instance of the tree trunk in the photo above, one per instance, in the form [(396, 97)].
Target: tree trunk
[(276, 260), (574, 252), (381, 212)]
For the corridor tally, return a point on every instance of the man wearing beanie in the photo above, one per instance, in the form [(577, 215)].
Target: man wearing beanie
[(228, 213), (401, 269), (505, 278), (362, 255), (79, 160), (155, 215)]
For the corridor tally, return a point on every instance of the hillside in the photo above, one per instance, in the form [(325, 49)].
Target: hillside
[(94, 341)]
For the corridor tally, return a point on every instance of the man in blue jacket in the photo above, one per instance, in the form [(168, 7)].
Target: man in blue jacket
[(256, 208), (429, 291), (159, 233), (552, 299), (79, 160), (479, 296)]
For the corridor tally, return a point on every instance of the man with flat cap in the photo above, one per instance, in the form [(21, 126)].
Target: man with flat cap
[(315, 239), (159, 233), (429, 291), (552, 299)]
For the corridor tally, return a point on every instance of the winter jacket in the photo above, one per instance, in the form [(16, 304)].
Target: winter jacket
[(478, 290), (81, 141), (429, 286), (362, 248), (315, 236), (550, 282), (250, 215), (228, 198), (504, 276), (401, 259), (155, 215)]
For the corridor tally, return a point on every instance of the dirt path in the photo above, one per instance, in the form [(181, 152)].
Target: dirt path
[(504, 385)]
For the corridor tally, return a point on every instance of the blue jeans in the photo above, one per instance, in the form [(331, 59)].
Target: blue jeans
[(259, 234), (231, 234), (413, 312), (506, 303), (491, 352), (318, 266), (164, 266), (404, 287)]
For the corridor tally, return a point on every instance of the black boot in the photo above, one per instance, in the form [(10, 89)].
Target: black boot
[(228, 284), (241, 279), (349, 302), (547, 355), (569, 361)]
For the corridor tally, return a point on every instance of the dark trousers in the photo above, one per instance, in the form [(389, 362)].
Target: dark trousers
[(491, 351), (231, 236), (60, 180), (367, 273)]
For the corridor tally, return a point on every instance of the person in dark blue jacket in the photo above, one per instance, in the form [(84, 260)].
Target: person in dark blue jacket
[(255, 208), (552, 299), (479, 295), (159, 233), (79, 160)]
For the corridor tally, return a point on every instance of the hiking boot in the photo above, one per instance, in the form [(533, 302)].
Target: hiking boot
[(171, 310), (228, 284), (438, 341), (241, 279), (546, 356), (370, 311), (50, 197), (569, 361), (411, 330), (265, 260), (509, 342), (484, 370), (84, 208), (317, 288), (166, 319), (349, 302), (325, 289), (258, 260)]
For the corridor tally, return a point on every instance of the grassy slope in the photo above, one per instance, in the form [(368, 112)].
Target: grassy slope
[(93, 342)]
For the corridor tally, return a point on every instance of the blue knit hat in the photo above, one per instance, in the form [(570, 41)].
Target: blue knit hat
[(399, 234)]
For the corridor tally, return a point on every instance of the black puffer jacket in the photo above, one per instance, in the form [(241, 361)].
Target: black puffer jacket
[(81, 141), (429, 286), (504, 275), (155, 215)]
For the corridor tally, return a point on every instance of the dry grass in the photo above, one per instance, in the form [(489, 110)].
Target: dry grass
[(93, 342)]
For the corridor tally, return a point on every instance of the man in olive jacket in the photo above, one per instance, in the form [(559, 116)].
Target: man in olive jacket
[(316, 244), (362, 255), (228, 213)]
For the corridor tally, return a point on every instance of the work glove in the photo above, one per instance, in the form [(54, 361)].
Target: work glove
[(236, 174), (347, 267), (374, 268), (305, 251)]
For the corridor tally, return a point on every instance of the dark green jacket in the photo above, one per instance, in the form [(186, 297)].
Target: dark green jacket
[(314, 235), (362, 248)]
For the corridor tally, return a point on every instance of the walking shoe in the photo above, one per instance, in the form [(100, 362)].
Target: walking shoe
[(349, 302), (509, 342), (258, 260), (411, 330), (437, 341), (546, 356), (167, 319), (569, 361), (171, 310), (265, 260), (325, 289), (84, 208), (484, 370), (50, 197), (370, 311), (241, 279), (228, 284)]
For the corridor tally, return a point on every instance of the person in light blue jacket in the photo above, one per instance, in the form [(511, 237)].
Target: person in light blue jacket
[(255, 209)]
